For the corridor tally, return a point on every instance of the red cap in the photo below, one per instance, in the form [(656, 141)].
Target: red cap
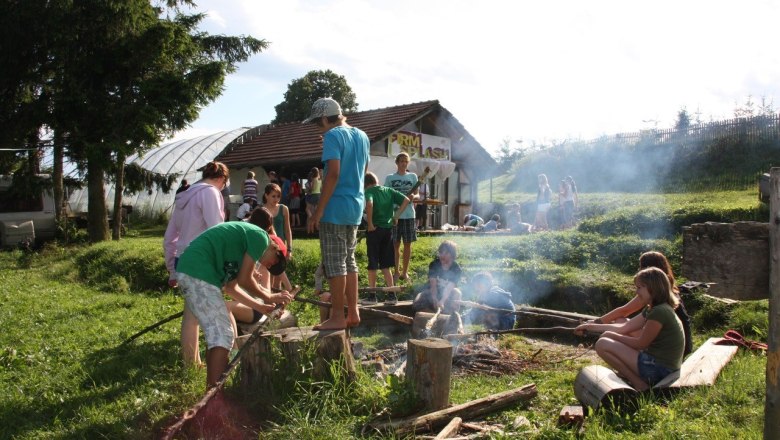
[(280, 244)]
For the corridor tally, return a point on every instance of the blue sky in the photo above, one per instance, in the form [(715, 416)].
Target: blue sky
[(535, 71)]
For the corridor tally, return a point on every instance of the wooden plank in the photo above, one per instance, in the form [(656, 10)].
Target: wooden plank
[(450, 430), (702, 366)]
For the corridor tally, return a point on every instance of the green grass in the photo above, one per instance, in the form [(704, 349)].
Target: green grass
[(64, 312)]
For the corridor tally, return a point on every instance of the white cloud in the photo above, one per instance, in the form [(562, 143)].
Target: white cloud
[(530, 70)]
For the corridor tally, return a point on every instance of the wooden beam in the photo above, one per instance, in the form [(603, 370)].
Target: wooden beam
[(702, 367), (772, 401), (469, 410)]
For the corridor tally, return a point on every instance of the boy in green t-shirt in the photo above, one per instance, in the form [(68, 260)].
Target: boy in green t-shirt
[(223, 257), (379, 238)]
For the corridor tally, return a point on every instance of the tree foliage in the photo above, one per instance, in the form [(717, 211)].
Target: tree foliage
[(114, 77), (302, 92)]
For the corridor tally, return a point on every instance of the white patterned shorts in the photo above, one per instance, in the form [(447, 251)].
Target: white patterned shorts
[(337, 245), (208, 305)]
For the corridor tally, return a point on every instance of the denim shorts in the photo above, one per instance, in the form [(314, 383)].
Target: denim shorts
[(649, 370)]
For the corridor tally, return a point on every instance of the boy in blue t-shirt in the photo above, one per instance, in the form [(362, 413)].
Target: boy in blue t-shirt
[(493, 296), (345, 153)]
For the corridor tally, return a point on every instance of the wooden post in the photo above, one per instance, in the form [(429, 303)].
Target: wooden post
[(428, 368), (772, 401)]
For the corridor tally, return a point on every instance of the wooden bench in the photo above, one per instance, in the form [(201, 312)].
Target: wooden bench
[(596, 385)]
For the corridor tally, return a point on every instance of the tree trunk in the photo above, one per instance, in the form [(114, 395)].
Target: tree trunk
[(772, 401), (97, 216), (56, 177), (119, 188), (428, 368)]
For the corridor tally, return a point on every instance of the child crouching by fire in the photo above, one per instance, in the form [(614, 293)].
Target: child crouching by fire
[(488, 294)]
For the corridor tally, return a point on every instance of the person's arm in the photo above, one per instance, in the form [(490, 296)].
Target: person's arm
[(169, 248), (249, 288), (650, 330), (629, 326), (623, 311), (370, 215), (328, 186), (401, 208), (287, 229), (446, 291)]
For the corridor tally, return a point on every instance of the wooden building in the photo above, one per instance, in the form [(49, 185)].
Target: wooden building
[(426, 130)]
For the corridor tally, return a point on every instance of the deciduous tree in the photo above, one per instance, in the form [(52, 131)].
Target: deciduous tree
[(302, 92)]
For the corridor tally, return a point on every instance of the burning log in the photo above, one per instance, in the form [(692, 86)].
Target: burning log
[(466, 411), (428, 368)]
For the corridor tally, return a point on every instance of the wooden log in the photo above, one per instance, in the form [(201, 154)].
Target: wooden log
[(597, 386), (394, 316), (423, 326), (393, 289), (772, 401), (469, 410), (428, 369), (450, 430)]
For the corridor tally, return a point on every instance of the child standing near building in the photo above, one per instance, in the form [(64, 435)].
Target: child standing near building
[(406, 229), (281, 215), (657, 349), (345, 153), (381, 216)]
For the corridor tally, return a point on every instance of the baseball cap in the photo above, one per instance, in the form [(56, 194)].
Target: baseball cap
[(323, 107), (282, 254)]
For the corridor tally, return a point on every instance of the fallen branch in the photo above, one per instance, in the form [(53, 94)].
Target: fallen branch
[(449, 430), (174, 429), (152, 327), (469, 410)]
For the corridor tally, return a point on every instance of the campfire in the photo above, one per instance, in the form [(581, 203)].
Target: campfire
[(485, 357)]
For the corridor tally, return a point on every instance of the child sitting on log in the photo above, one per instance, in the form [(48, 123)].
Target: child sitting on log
[(657, 350), (441, 290), (491, 295)]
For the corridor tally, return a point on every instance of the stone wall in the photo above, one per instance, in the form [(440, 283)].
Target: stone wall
[(735, 256)]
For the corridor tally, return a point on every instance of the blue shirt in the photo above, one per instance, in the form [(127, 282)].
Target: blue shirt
[(403, 183), (350, 146)]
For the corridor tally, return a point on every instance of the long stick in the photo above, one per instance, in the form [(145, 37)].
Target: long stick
[(393, 289), (394, 316), (152, 327), (479, 306), (559, 330), (190, 414)]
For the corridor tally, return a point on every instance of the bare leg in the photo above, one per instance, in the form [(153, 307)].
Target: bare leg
[(189, 338), (351, 291), (622, 358), (396, 249), (241, 312), (407, 256), (324, 311), (337, 320), (216, 364), (388, 277), (372, 278)]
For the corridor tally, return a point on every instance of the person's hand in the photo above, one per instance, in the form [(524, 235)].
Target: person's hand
[(395, 221), (282, 298), (313, 223), (581, 329), (266, 309), (371, 227)]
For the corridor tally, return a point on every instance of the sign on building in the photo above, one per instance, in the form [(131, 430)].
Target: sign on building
[(418, 145)]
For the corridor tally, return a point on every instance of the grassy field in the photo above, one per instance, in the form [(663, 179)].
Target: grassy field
[(65, 311)]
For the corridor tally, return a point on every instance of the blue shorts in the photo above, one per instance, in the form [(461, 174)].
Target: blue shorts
[(650, 370)]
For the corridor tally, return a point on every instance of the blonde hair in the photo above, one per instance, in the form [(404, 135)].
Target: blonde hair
[(400, 155), (657, 284), (450, 247)]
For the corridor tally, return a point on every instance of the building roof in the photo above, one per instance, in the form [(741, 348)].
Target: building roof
[(288, 143)]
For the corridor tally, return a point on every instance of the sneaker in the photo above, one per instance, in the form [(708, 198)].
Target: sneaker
[(368, 301), (391, 299)]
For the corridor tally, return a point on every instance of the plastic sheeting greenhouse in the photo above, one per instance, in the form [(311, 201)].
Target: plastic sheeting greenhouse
[(183, 157)]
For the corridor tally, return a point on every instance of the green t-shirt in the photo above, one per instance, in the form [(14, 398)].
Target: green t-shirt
[(668, 346), (383, 199), (215, 256)]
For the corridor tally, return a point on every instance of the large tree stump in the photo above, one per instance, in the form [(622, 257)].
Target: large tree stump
[(261, 370), (428, 369)]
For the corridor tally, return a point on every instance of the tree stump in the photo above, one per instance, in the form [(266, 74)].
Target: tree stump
[(262, 371), (428, 369)]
